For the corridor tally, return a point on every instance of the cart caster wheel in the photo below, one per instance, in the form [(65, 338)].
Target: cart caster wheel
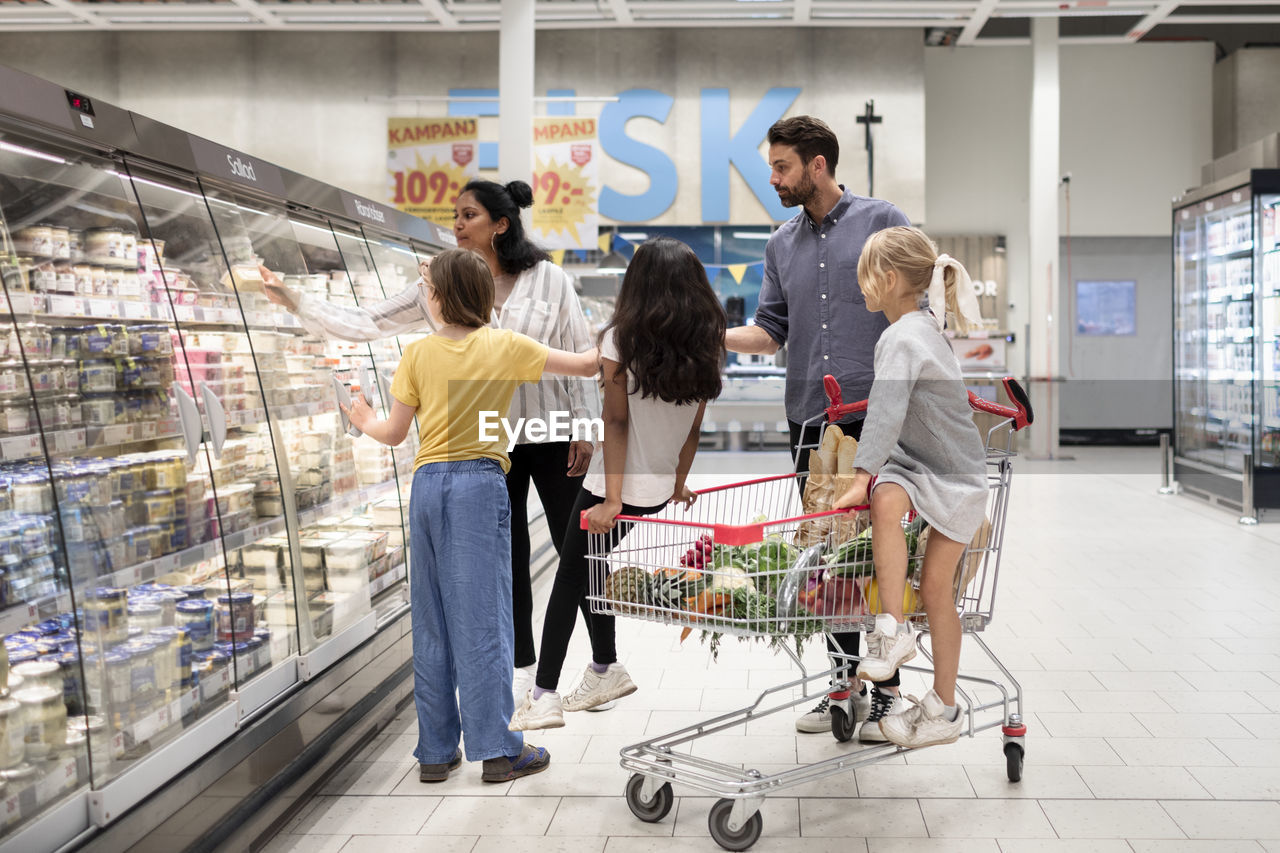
[(744, 837), (653, 810), (1013, 761), (841, 725)]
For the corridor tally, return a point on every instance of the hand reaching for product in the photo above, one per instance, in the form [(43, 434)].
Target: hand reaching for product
[(276, 291), (359, 413)]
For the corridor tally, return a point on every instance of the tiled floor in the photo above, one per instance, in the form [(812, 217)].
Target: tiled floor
[(1146, 633)]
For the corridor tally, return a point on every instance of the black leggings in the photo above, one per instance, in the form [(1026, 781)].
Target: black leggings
[(847, 641), (545, 465), (569, 593)]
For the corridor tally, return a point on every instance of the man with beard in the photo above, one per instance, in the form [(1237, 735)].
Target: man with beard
[(810, 301)]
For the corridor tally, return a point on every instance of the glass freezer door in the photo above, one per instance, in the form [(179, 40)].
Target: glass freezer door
[(1268, 332), (1215, 356)]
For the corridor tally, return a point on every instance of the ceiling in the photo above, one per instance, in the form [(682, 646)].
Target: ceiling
[(963, 22)]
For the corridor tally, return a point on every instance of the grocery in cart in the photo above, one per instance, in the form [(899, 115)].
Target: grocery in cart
[(747, 560)]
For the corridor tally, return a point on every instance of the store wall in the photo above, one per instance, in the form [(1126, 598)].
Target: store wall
[(1118, 382), (1245, 107), (318, 103), (1136, 127)]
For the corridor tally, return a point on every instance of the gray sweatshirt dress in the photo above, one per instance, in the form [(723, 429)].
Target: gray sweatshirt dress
[(919, 431)]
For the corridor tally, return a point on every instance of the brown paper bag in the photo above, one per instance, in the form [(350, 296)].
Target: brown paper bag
[(820, 492)]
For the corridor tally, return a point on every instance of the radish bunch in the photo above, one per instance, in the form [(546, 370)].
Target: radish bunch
[(699, 555)]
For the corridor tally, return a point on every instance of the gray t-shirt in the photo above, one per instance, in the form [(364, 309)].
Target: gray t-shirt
[(811, 302), (919, 431)]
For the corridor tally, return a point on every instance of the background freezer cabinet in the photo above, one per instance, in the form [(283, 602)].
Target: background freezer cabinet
[(1226, 340)]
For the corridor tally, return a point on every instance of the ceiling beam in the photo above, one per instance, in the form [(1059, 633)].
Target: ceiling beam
[(440, 13), (255, 9), (978, 20), (79, 11), (621, 13), (1153, 17)]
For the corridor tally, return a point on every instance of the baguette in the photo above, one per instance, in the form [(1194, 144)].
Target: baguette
[(848, 451), (817, 465)]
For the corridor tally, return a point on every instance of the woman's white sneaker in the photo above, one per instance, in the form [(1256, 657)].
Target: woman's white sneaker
[(545, 712), (923, 724), (596, 688)]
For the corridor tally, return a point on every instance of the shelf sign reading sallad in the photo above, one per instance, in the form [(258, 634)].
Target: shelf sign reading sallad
[(566, 183), (428, 161)]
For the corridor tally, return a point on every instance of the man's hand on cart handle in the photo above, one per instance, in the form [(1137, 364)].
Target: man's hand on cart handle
[(858, 492), (684, 495), (600, 518)]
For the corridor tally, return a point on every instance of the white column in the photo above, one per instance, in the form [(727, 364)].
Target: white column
[(1042, 277), (515, 91)]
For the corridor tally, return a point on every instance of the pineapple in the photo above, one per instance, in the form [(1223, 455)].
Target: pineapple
[(666, 592), (629, 585)]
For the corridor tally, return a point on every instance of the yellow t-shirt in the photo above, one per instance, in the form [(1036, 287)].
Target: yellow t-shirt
[(451, 383)]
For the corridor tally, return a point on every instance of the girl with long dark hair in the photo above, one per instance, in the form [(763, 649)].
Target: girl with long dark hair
[(661, 360)]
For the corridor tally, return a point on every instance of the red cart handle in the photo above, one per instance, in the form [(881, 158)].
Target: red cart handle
[(1020, 412), (731, 534)]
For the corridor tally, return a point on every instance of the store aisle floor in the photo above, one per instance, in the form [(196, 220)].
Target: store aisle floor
[(1145, 630)]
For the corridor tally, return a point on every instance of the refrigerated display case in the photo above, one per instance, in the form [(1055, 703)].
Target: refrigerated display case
[(188, 534), (1226, 339)]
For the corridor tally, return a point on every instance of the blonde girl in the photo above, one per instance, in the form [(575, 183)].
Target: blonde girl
[(921, 445)]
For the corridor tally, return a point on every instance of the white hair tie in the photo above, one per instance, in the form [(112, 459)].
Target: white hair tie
[(970, 315)]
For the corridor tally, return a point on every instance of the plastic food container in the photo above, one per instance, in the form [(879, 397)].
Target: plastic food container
[(210, 668), (195, 616), (46, 721), (97, 377), (146, 615), (106, 617), (40, 673), (234, 617), (13, 733), (94, 728)]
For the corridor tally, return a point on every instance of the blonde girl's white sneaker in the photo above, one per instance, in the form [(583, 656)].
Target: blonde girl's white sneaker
[(545, 712), (889, 646), (597, 688), (925, 723)]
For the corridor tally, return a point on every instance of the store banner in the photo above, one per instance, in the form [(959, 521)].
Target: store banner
[(428, 161), (566, 183)]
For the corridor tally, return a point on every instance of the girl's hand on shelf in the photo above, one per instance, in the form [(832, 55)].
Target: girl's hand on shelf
[(580, 457), (601, 517)]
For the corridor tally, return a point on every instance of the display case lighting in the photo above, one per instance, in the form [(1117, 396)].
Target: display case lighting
[(751, 235), (40, 155)]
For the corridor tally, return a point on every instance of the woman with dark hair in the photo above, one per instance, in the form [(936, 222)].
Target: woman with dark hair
[(535, 297), (661, 355)]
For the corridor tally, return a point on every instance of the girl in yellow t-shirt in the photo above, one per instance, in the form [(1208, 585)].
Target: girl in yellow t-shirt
[(459, 382)]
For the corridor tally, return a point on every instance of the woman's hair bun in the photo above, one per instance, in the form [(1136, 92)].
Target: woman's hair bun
[(521, 193)]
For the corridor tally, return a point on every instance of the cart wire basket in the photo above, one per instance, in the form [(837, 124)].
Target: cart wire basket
[(746, 560)]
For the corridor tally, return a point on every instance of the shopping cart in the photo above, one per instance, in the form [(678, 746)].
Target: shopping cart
[(746, 560)]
